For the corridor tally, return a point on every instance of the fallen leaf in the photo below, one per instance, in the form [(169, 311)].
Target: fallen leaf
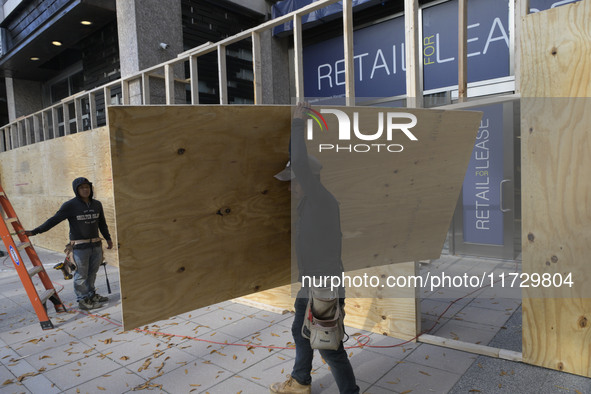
[(479, 365), (474, 391), (7, 381), (101, 388), (424, 373), (406, 392), (124, 358)]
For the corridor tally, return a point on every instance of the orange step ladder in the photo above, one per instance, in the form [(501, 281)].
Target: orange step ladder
[(38, 301)]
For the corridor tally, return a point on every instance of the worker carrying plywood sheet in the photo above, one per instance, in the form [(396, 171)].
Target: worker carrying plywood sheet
[(318, 249), (86, 218)]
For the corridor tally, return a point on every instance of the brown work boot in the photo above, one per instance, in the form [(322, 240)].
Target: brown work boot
[(290, 386)]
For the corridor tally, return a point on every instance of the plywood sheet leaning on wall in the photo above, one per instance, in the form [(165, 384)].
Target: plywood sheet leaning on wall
[(556, 157), (201, 218), (38, 180)]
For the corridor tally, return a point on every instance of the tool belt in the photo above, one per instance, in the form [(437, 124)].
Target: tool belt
[(84, 241), (323, 321)]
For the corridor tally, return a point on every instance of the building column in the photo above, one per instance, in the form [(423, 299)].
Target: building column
[(275, 66), (143, 25), (23, 97)]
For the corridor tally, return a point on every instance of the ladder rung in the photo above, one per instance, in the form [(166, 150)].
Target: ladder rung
[(23, 245), (35, 270), (46, 294), (11, 220), (2, 194)]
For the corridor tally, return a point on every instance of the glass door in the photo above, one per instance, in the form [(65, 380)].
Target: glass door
[(484, 221)]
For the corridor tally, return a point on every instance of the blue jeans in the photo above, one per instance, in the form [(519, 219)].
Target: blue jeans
[(337, 359), (88, 261)]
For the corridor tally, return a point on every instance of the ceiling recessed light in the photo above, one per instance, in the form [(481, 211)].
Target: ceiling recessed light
[(57, 43), (34, 58), (86, 23)]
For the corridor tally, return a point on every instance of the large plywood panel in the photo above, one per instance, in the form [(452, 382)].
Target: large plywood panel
[(556, 156), (38, 179), (201, 218), (396, 207)]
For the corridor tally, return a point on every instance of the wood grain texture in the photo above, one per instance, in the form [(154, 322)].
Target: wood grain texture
[(38, 180), (201, 219), (556, 156), (555, 52), (397, 207)]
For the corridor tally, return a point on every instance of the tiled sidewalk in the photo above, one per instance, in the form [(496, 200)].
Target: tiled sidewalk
[(92, 354)]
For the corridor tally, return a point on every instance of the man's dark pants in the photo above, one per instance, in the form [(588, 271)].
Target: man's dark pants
[(337, 359)]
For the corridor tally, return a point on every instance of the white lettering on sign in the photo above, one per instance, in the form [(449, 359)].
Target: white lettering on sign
[(503, 36), (329, 75), (482, 154), (432, 53)]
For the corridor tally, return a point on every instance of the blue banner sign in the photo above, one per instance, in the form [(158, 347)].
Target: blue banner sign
[(379, 57), (483, 219)]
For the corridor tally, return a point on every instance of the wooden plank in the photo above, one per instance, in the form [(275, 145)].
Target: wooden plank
[(25, 129), (222, 74), (471, 347), (520, 10), (125, 91), (3, 145), (194, 75), (14, 143), (219, 239), (556, 153), (230, 224), (414, 91), (426, 191), (66, 112), (298, 61), (37, 132), (349, 52), (146, 89), (107, 98), (38, 179), (78, 115), (92, 110), (462, 50), (54, 121), (257, 68), (169, 83)]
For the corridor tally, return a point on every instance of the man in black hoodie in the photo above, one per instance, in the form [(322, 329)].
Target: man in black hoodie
[(86, 217)]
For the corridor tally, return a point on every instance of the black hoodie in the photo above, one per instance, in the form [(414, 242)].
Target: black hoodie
[(86, 219)]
